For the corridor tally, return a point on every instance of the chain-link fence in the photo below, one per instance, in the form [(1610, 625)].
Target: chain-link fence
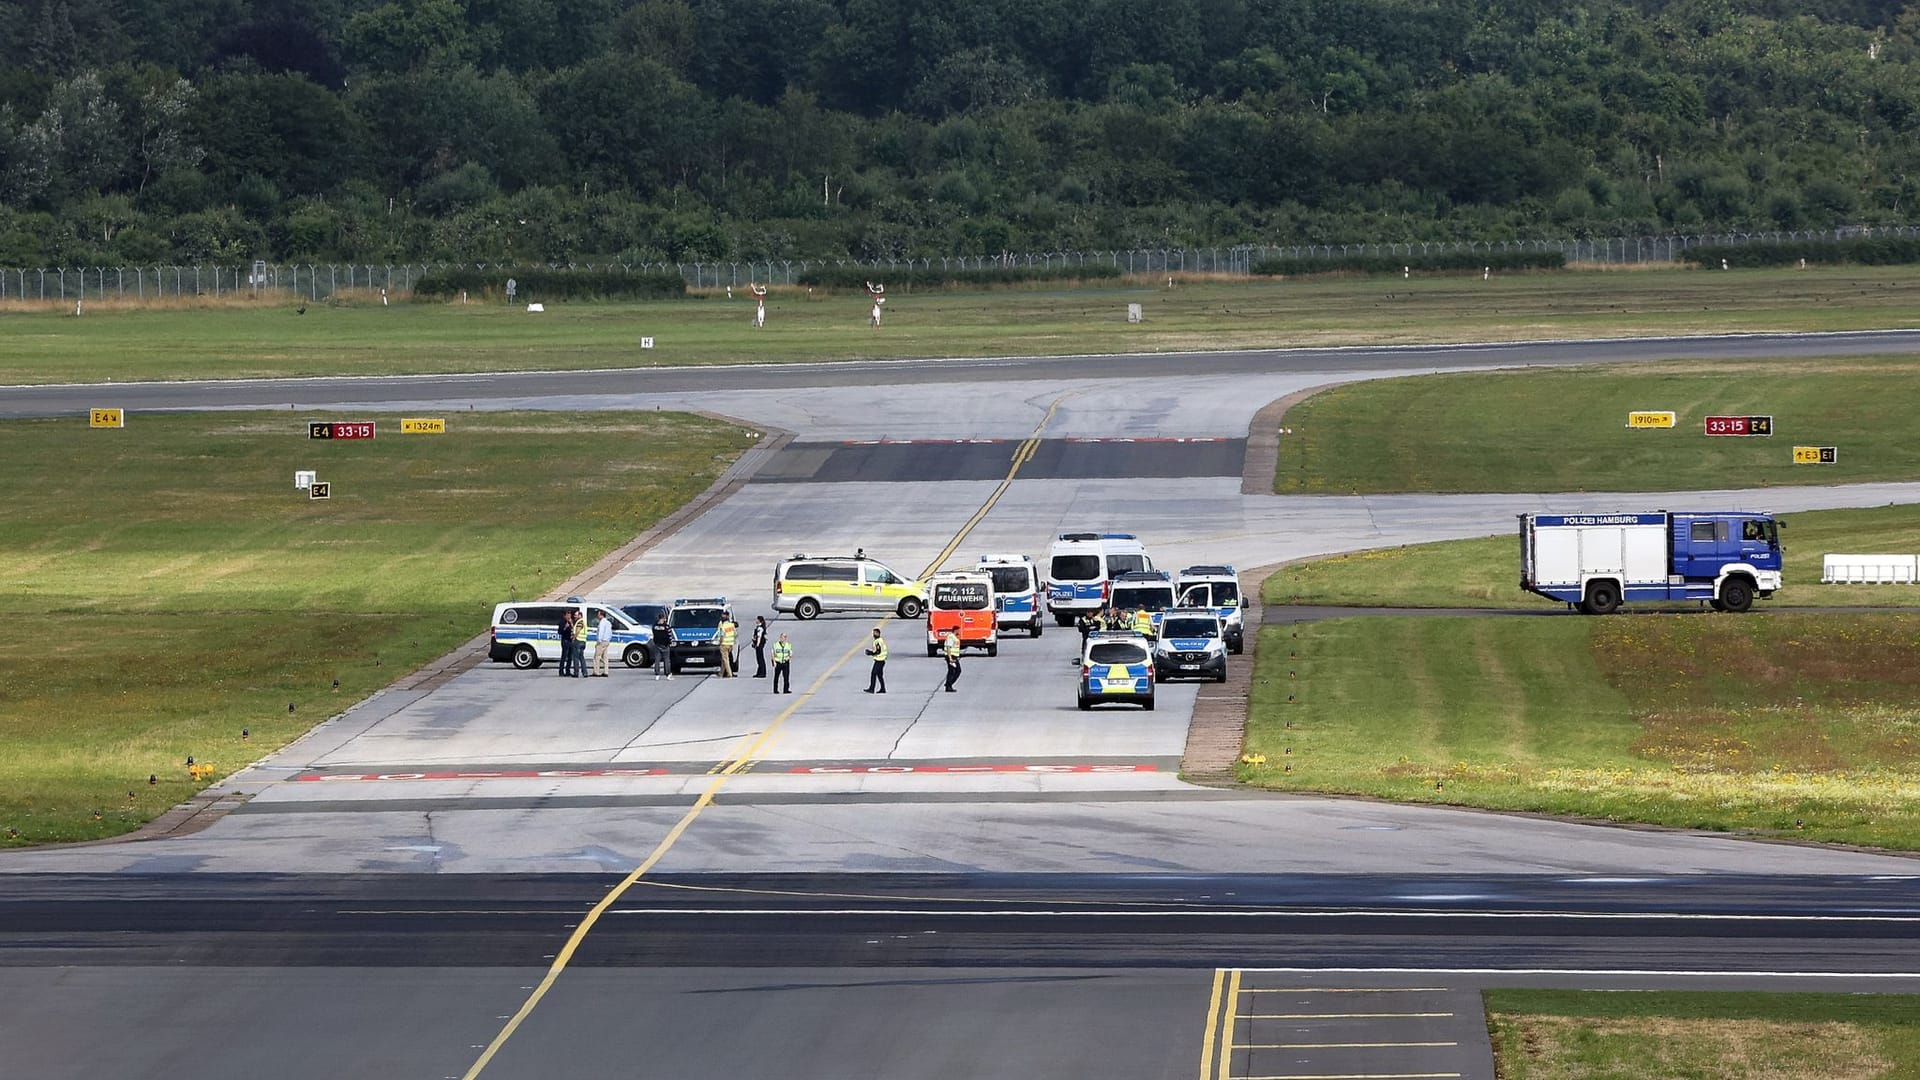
[(315, 281)]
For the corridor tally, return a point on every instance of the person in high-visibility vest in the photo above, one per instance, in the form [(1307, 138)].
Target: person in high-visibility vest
[(877, 648), (728, 632), (1143, 622), (952, 650), (783, 665)]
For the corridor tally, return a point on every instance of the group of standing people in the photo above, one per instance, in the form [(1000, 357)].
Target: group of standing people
[(1140, 621), (574, 635)]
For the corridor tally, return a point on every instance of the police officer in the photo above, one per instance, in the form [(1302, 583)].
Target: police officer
[(952, 650), (877, 648), (783, 665), (1143, 622), (662, 646), (760, 646), (729, 632)]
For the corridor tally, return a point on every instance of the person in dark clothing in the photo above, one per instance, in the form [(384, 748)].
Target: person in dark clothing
[(783, 666), (662, 646), (760, 646), (566, 645)]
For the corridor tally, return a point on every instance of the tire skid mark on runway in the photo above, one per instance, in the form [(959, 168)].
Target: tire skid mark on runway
[(744, 759)]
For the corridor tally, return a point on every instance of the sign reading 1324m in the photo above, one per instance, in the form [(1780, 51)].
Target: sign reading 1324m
[(340, 429), (1740, 425)]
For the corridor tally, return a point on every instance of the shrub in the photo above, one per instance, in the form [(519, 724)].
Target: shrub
[(1867, 251), (551, 283), (1392, 264), (934, 277)]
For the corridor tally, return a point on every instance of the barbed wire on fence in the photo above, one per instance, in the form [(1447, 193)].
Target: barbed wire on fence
[(316, 281)]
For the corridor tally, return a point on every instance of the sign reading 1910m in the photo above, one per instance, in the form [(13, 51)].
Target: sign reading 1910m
[(343, 429), (1740, 425)]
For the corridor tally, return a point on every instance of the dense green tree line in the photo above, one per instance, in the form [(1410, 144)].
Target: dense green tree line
[(191, 130)]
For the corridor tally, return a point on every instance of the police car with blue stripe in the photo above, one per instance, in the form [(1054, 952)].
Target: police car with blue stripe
[(1218, 587), (1016, 591), (1116, 665), (526, 633), (1192, 645)]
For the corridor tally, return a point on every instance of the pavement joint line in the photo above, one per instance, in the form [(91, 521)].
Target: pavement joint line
[(754, 750), (1352, 1016)]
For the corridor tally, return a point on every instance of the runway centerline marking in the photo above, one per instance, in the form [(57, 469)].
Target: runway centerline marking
[(754, 751)]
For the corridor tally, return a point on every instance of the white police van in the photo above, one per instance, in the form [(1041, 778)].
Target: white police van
[(1081, 568), (1192, 645), (526, 633), (1016, 591), (1216, 587)]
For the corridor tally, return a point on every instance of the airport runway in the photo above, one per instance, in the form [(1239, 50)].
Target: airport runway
[(486, 816)]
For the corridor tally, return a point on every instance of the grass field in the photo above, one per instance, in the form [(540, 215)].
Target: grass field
[(46, 343), (1565, 429), (1795, 724), (1484, 573), (1588, 1035), (168, 588)]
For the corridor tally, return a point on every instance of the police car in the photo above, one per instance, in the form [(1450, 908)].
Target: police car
[(1150, 591), (1116, 665), (526, 633), (696, 633), (1192, 645), (1216, 587), (1016, 591)]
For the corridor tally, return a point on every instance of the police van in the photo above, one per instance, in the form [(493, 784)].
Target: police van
[(526, 633), (1192, 645), (1216, 587), (1115, 665), (697, 636), (810, 584), (961, 602), (1150, 591), (1016, 591), (1082, 566)]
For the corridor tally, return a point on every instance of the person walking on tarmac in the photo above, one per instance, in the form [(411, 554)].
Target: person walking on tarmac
[(729, 632), (951, 648), (759, 646), (783, 665), (877, 648), (662, 646)]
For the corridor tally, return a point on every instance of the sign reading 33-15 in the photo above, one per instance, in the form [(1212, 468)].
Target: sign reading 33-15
[(340, 429)]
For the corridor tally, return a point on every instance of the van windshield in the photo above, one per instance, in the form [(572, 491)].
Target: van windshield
[(1009, 579), (1190, 628), (1126, 564), (1076, 567), (1151, 597), (697, 618)]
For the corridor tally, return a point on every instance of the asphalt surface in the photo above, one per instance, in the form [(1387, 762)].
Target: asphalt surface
[(991, 883)]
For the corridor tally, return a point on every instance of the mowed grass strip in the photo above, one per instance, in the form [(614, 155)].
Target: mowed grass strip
[(265, 337), (1661, 1035), (168, 588), (1565, 430), (1485, 573), (1804, 725)]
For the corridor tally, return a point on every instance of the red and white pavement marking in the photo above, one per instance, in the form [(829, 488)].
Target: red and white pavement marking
[(483, 774)]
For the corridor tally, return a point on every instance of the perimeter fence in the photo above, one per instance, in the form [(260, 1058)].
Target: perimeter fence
[(316, 281)]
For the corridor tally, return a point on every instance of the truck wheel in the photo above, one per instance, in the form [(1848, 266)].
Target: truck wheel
[(638, 657), (1039, 624), (1736, 594), (1603, 598), (1717, 604), (933, 650), (993, 649), (525, 658), (807, 608), (910, 608)]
